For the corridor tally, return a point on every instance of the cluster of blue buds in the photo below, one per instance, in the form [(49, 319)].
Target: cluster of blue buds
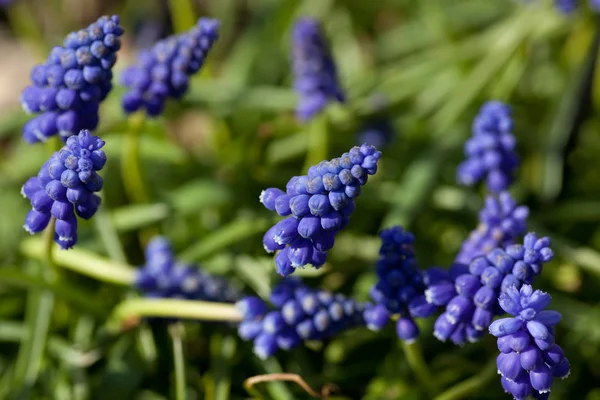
[(529, 359), (164, 70), (400, 288), (163, 277), (65, 187), (68, 88), (317, 207), (315, 73), (490, 151), (300, 314), (501, 221), (471, 298)]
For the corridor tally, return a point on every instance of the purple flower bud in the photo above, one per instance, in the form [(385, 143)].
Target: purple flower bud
[(505, 326), (282, 205), (407, 330), (269, 196), (286, 231), (376, 317), (269, 240), (36, 222), (531, 358), (283, 263), (251, 307), (509, 365), (300, 252), (249, 330), (541, 378), (265, 345), (66, 232)]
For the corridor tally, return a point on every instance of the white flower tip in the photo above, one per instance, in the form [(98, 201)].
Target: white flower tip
[(28, 230), (439, 337), (428, 296)]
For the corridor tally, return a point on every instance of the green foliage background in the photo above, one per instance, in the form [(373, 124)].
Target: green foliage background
[(207, 159)]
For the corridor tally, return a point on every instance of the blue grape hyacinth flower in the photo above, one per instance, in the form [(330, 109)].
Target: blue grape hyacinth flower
[(67, 89), (501, 221), (471, 292), (400, 288), (315, 74), (64, 188), (317, 207), (164, 277), (298, 314), (165, 69), (529, 358), (490, 151)]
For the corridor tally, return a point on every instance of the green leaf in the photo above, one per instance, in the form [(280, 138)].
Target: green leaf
[(198, 194), (74, 295), (135, 216), (40, 305), (228, 235), (222, 350)]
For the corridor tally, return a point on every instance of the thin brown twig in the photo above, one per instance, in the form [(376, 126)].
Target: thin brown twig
[(326, 390)]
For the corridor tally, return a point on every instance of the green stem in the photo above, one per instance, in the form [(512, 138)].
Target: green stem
[(49, 249), (131, 174), (83, 262), (183, 15), (174, 308), (176, 332), (417, 363), (317, 136), (468, 387)]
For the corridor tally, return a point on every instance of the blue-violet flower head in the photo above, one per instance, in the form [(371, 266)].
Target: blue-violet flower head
[(165, 69), (68, 88), (65, 187), (471, 295), (317, 207), (490, 151), (400, 287), (501, 221), (299, 313), (315, 74), (529, 358), (164, 277)]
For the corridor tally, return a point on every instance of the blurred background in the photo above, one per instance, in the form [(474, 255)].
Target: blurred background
[(415, 74)]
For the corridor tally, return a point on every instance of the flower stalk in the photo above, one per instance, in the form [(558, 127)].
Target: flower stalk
[(131, 173), (416, 361), (83, 262), (174, 308)]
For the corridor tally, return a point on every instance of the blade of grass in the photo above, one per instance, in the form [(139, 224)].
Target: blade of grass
[(236, 231), (222, 350), (74, 295), (176, 333), (31, 351), (566, 122)]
